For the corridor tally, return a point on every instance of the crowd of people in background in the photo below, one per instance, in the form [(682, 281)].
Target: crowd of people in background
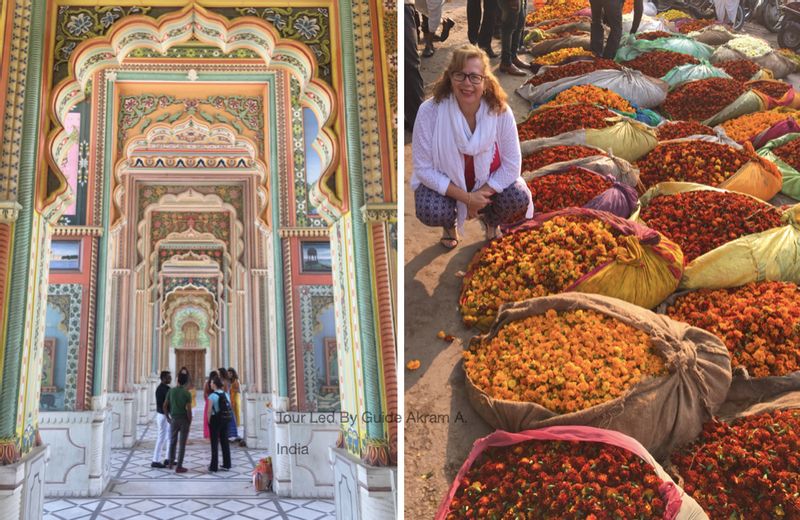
[(221, 417)]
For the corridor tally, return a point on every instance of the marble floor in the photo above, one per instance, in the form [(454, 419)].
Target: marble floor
[(138, 491)]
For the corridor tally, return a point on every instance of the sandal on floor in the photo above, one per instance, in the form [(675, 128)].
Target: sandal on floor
[(449, 238)]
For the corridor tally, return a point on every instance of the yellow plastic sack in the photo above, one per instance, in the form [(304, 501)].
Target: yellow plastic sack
[(758, 177), (772, 255), (624, 280), (627, 138)]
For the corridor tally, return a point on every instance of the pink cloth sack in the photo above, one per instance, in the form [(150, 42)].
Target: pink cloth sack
[(679, 505)]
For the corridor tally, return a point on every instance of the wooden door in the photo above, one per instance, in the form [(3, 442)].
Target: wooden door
[(193, 359)]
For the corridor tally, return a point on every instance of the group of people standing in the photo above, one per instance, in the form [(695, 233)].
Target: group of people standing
[(221, 417)]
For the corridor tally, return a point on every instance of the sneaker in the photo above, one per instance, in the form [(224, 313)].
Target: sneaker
[(447, 24), (181, 469), (156, 465), (166, 462)]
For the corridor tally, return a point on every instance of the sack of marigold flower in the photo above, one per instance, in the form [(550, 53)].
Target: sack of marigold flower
[(634, 86), (632, 47), (759, 322), (672, 130), (575, 249), (559, 25), (766, 256), (700, 218), (747, 467), (777, 93), (558, 43), (711, 101), (591, 360), (761, 127), (710, 163), (555, 154), (565, 472), (779, 65), (713, 35), (742, 69), (784, 152), (580, 188), (681, 74), (591, 125)]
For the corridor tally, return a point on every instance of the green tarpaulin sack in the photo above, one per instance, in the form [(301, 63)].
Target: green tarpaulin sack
[(791, 177), (692, 72), (633, 48)]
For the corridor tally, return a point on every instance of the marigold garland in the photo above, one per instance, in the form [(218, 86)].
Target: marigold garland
[(702, 162), (759, 323), (789, 153), (557, 120), (747, 469), (539, 480), (740, 70), (680, 129), (657, 63), (592, 95), (701, 99), (700, 221), (565, 362), (571, 188), (536, 262)]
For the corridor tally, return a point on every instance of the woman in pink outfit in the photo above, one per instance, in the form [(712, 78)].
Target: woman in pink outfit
[(206, 392)]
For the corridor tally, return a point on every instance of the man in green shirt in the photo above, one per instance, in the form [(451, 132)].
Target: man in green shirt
[(178, 409)]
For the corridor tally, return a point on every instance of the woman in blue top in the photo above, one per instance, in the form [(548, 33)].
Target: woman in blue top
[(217, 426)]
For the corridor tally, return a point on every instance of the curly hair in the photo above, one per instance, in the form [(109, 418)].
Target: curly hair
[(493, 93)]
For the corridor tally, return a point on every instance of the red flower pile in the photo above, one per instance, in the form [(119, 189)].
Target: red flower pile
[(654, 35), (702, 220), (569, 70), (748, 469), (701, 99), (695, 25), (658, 63), (759, 323), (535, 262), (680, 129), (741, 70), (789, 153), (556, 154), (774, 89), (571, 188), (554, 121), (692, 161), (558, 479)]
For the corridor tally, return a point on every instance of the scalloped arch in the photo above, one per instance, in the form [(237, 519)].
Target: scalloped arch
[(171, 29)]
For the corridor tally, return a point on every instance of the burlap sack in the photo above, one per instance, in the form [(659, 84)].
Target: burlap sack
[(745, 391), (659, 412), (713, 35), (780, 65), (556, 44)]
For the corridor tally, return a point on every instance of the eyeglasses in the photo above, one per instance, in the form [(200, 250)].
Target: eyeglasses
[(475, 79)]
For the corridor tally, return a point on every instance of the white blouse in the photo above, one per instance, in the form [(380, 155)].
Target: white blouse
[(422, 157)]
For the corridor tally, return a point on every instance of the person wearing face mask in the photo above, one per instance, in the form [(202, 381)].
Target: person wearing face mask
[(466, 152)]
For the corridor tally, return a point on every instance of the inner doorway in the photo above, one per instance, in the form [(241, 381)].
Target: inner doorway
[(194, 359)]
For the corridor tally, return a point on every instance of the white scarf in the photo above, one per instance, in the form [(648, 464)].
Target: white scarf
[(452, 140)]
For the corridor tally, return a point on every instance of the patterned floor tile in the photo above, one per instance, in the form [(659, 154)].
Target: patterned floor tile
[(139, 492)]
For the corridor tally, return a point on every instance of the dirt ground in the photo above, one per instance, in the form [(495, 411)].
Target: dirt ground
[(434, 451)]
